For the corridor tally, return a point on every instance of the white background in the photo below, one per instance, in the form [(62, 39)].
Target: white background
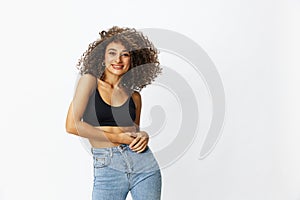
[(254, 45)]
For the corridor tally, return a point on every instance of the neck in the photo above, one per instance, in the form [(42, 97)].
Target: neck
[(111, 80)]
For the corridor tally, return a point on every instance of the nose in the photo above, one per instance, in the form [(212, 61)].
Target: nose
[(118, 59)]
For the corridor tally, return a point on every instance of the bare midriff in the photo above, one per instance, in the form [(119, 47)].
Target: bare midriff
[(111, 130)]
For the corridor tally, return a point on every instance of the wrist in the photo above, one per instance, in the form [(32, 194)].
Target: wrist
[(115, 138)]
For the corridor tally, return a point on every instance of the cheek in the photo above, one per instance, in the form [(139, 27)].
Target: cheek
[(107, 58), (127, 61)]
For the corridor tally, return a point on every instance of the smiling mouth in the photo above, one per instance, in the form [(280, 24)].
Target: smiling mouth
[(118, 67)]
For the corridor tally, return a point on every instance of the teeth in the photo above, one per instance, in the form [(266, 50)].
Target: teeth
[(117, 66)]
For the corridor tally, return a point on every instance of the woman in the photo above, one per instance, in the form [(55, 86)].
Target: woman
[(106, 109)]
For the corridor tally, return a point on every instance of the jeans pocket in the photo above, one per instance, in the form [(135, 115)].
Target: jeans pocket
[(101, 160)]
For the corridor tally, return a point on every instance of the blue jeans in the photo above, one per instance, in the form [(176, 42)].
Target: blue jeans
[(118, 170)]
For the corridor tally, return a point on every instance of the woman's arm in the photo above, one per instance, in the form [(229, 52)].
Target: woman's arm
[(139, 144), (138, 107), (74, 125)]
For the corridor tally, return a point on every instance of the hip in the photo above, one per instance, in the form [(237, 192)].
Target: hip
[(122, 158)]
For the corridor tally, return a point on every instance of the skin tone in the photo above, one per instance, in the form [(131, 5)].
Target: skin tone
[(117, 62)]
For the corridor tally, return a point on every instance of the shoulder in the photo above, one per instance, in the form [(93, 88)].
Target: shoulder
[(88, 78), (136, 96), (87, 82)]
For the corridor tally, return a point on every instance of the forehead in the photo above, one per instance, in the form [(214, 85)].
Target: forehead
[(118, 46)]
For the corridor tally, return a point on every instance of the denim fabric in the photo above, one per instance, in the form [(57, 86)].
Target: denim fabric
[(118, 170)]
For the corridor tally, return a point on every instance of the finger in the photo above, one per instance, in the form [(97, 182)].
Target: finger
[(143, 149), (143, 141), (133, 143), (139, 143), (139, 146), (139, 149)]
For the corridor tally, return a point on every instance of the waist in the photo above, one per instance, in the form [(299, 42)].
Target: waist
[(113, 149), (111, 130), (117, 129), (123, 159)]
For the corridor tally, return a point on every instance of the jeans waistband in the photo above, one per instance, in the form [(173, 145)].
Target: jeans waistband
[(119, 148)]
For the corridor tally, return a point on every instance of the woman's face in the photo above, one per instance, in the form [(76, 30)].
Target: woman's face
[(117, 59)]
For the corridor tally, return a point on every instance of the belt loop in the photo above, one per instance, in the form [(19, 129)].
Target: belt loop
[(122, 147), (111, 152)]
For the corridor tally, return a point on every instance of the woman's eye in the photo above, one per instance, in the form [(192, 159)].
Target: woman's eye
[(125, 54), (112, 53)]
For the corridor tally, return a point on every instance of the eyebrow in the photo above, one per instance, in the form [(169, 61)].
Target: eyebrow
[(125, 50), (111, 49)]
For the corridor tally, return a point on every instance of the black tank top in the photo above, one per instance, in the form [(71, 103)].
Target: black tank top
[(99, 113)]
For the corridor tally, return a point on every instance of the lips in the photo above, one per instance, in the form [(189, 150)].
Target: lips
[(118, 67)]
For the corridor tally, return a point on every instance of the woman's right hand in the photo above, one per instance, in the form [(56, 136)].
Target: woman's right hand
[(126, 137)]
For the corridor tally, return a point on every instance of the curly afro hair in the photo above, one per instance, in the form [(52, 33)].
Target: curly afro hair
[(144, 64)]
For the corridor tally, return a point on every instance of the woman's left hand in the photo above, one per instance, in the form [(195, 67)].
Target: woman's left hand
[(140, 142)]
